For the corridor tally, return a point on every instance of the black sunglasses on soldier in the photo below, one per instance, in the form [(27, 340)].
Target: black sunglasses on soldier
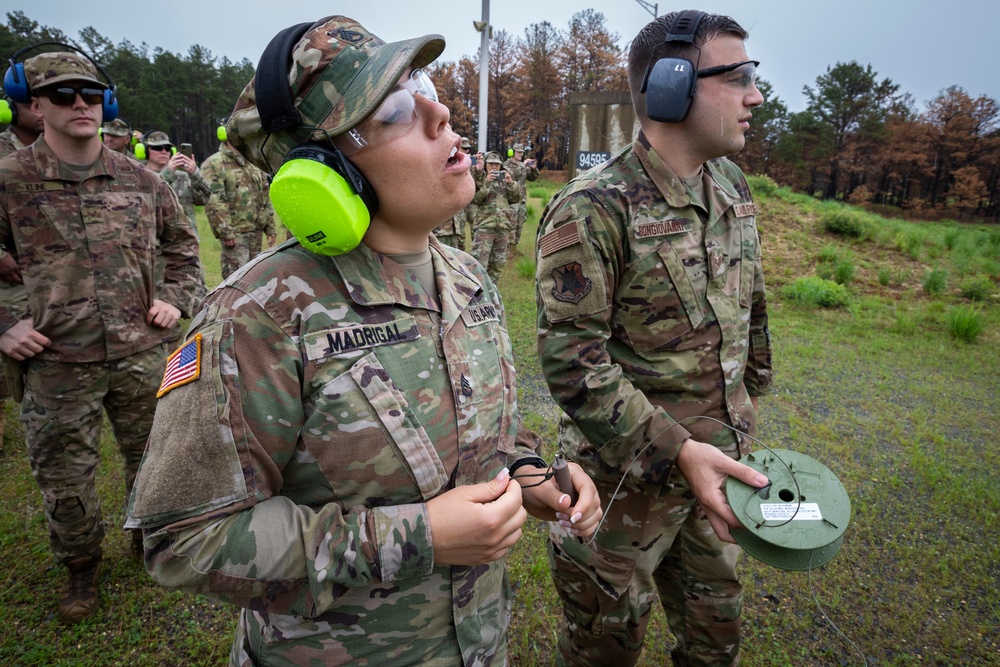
[(65, 96)]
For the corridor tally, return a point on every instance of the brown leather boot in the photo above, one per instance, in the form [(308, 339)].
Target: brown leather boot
[(80, 598)]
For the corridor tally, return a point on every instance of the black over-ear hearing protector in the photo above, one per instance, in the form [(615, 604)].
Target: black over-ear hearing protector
[(669, 83), (15, 81), (323, 199)]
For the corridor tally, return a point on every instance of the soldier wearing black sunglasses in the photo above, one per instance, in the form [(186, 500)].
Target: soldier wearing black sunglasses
[(86, 224)]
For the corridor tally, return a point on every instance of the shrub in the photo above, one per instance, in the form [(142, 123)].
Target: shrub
[(843, 272), (816, 291), (965, 323), (977, 288), (762, 186), (844, 223), (884, 276), (829, 253), (935, 281)]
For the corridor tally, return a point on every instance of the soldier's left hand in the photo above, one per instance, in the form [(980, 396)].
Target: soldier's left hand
[(548, 503), (271, 238), (162, 314), (181, 161)]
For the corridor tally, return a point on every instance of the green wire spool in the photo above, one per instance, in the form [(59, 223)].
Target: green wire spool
[(798, 522)]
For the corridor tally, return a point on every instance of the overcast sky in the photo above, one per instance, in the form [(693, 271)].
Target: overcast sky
[(916, 43)]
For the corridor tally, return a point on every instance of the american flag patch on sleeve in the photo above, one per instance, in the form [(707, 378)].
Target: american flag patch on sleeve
[(557, 239), (183, 366)]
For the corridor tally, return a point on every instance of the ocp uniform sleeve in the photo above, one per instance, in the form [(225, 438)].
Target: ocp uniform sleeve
[(209, 489), (579, 259)]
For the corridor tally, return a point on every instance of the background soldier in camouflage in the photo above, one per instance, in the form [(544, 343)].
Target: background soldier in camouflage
[(521, 171), (117, 136), (453, 232), (651, 312), (239, 209), (95, 337), (336, 466), (25, 125), (494, 218), (182, 174)]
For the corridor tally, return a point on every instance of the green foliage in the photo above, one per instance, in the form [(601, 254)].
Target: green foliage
[(977, 288), (844, 222), (816, 291), (965, 323), (884, 276), (843, 271), (525, 267), (762, 186), (935, 281)]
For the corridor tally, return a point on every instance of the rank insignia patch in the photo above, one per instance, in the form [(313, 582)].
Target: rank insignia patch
[(183, 366), (571, 285)]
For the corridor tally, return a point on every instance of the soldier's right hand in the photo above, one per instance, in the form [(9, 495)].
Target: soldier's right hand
[(229, 243), (22, 342), (477, 523)]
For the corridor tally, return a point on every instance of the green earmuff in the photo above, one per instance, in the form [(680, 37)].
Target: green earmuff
[(220, 132), (6, 112), (326, 211), (140, 151)]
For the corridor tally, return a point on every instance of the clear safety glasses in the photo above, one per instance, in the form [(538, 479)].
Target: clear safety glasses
[(393, 118), (742, 75)]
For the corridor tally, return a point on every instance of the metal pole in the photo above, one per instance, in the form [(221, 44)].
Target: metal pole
[(649, 7), (484, 75)]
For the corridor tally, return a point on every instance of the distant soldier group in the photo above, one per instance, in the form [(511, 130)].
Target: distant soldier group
[(497, 214)]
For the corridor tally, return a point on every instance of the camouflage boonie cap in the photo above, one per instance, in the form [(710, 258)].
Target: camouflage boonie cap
[(493, 156), (157, 139), (340, 74), (518, 147), (465, 143), (116, 128), (47, 69)]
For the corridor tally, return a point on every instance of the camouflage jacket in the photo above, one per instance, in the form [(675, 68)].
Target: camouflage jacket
[(521, 173), (455, 226), (239, 203), (9, 143), (86, 247), (651, 310), (493, 199), (191, 189), (331, 400)]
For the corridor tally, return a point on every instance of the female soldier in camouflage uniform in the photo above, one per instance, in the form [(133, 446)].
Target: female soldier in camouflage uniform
[(331, 444)]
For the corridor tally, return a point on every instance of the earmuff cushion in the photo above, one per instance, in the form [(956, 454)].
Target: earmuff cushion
[(319, 207)]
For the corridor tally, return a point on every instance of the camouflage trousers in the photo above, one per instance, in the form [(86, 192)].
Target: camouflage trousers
[(62, 417), (648, 545), (453, 240), (248, 245), (489, 246), (520, 215)]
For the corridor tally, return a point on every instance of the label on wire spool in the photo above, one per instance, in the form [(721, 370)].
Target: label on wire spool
[(798, 522)]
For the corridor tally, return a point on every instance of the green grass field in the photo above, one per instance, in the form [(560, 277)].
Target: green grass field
[(885, 391)]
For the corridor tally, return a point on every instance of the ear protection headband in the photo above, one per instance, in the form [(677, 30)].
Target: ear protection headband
[(323, 199), (15, 81), (669, 83), (141, 153)]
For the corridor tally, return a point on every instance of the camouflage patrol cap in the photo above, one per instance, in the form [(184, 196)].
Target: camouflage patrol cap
[(117, 128), (340, 74), (493, 156), (465, 143), (518, 147), (47, 69), (157, 139)]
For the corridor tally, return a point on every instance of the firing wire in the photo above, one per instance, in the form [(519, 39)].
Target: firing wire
[(809, 574)]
